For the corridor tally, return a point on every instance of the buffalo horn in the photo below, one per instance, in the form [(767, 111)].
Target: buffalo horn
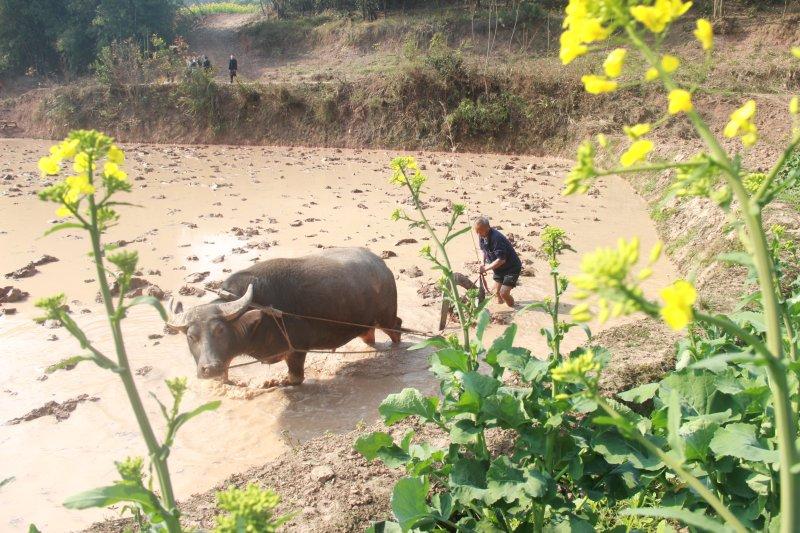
[(232, 310), (177, 318)]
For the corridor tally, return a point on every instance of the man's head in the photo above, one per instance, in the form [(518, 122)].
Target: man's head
[(231, 56), (481, 226)]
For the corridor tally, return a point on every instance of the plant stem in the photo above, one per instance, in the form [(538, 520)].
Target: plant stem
[(449, 271), (154, 449), (751, 213), (676, 467)]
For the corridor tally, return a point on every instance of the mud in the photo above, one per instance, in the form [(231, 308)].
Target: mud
[(217, 209), (61, 411)]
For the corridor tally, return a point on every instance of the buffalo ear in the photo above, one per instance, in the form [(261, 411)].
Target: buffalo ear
[(247, 322)]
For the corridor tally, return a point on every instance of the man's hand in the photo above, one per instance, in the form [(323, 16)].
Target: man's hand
[(483, 269)]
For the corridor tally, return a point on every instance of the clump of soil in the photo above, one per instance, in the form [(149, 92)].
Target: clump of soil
[(61, 411)]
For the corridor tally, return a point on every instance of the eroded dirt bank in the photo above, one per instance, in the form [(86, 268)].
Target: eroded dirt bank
[(213, 209)]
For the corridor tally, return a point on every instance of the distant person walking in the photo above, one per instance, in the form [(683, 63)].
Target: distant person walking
[(206, 63), (233, 66)]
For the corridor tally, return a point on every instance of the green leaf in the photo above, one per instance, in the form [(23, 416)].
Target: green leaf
[(617, 450), (433, 342), (385, 527), (68, 364), (674, 424), (452, 359), (510, 483), (33, 529), (456, 234), (408, 402), (477, 387), (468, 479), (182, 418), (149, 300), (739, 440), (514, 359), (697, 433), (640, 394), (503, 342), (369, 445), (409, 501), (464, 432), (695, 389), (739, 258), (6, 481), (113, 494), (720, 362), (63, 226), (506, 409), (483, 321), (442, 503), (691, 518)]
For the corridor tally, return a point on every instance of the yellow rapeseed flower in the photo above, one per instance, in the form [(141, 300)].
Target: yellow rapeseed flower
[(637, 130), (63, 212), (78, 186), (680, 101), (598, 84), (112, 171), (659, 15), (571, 47), (581, 313), (81, 163), (740, 119), (613, 63), (678, 301), (670, 63), (115, 155), (651, 74), (655, 252), (796, 51), (580, 29), (637, 152), (49, 165), (705, 34), (794, 105), (741, 123)]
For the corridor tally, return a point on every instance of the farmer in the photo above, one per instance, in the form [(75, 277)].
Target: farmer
[(206, 64), (500, 258), (233, 66)]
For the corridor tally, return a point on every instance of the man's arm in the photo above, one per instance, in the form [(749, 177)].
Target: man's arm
[(493, 265)]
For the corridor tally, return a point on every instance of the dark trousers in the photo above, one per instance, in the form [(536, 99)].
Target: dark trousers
[(233, 75)]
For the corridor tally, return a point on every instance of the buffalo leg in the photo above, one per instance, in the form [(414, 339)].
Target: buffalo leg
[(394, 332), (296, 361), (369, 337)]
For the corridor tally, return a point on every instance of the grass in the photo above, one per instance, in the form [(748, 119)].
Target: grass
[(215, 8)]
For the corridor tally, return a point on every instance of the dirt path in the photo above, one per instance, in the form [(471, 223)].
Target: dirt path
[(215, 36), (217, 209)]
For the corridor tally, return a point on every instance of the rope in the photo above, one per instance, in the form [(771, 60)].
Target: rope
[(279, 313)]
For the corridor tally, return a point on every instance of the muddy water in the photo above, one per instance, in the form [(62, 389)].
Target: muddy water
[(288, 202)]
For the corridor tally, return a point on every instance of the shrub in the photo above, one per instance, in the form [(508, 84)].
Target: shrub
[(712, 445)]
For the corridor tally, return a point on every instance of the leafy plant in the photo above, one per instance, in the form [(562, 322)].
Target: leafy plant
[(248, 510), (712, 445), (87, 200)]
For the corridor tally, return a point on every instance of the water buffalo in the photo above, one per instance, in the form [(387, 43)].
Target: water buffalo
[(345, 284)]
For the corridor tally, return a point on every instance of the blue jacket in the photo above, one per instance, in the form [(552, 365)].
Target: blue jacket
[(496, 246)]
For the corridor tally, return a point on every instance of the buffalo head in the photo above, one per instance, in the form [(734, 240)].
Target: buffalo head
[(216, 332)]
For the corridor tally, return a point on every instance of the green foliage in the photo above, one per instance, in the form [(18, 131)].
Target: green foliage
[(249, 510), (41, 35), (213, 8), (126, 63)]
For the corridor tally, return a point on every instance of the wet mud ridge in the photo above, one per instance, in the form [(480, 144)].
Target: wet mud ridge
[(61, 411)]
